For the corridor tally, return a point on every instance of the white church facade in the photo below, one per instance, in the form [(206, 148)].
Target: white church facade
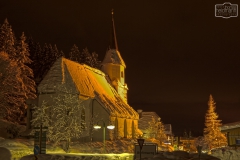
[(103, 93)]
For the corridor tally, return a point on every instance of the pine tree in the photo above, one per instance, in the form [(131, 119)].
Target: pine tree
[(86, 57), (212, 133), (95, 62), (56, 53), (156, 130), (35, 54), (10, 89), (28, 87), (74, 54), (7, 39), (161, 135)]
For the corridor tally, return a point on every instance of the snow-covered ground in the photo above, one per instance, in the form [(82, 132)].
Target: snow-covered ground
[(22, 149)]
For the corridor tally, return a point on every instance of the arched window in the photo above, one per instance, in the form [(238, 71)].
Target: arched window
[(83, 120)]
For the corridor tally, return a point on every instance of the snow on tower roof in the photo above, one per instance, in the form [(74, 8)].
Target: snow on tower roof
[(230, 126), (113, 56), (89, 82)]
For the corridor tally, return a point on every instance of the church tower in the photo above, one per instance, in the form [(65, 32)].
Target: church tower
[(114, 66)]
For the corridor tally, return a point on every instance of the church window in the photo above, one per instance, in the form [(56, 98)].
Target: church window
[(122, 74), (83, 120)]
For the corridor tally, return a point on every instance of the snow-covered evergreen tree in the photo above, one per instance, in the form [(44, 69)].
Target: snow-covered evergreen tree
[(212, 133), (161, 135), (7, 39), (156, 130), (28, 84), (10, 91)]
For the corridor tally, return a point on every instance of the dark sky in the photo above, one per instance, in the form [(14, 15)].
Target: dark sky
[(177, 52)]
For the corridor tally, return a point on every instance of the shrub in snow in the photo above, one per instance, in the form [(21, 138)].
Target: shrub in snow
[(13, 130)]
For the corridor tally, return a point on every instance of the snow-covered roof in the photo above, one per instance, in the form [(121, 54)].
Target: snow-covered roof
[(89, 82), (230, 126), (113, 56)]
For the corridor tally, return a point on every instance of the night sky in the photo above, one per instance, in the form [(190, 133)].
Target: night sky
[(177, 53)]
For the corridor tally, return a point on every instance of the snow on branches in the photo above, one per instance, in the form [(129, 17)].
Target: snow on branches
[(212, 133)]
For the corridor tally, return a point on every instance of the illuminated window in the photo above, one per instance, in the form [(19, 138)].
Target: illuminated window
[(83, 120), (122, 74)]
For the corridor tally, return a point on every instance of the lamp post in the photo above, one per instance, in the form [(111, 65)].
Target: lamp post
[(97, 126), (140, 143)]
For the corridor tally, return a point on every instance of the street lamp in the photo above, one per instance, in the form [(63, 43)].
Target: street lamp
[(140, 143), (97, 126)]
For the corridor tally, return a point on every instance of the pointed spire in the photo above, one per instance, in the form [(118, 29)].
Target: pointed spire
[(113, 40)]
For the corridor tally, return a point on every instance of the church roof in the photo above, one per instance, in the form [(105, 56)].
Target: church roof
[(89, 82)]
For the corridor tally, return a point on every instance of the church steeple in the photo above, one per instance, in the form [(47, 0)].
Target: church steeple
[(113, 55), (113, 40), (114, 66)]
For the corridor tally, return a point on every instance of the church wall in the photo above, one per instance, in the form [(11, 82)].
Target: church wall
[(121, 124), (100, 115), (128, 128), (135, 129)]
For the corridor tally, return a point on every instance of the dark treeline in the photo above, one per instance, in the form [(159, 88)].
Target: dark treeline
[(23, 65), (44, 56)]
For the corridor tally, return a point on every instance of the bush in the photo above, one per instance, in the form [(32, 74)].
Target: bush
[(13, 130)]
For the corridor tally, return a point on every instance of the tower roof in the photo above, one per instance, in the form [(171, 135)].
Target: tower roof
[(113, 55)]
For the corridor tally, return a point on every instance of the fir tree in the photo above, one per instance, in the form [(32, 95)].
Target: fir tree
[(28, 87), (212, 133), (86, 57), (7, 39), (56, 53), (23, 60), (156, 130), (95, 62), (11, 93), (35, 55), (74, 54), (161, 135)]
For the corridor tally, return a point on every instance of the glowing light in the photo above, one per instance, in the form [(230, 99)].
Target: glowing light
[(111, 127), (96, 127)]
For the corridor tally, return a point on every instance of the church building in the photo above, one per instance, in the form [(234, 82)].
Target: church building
[(103, 93)]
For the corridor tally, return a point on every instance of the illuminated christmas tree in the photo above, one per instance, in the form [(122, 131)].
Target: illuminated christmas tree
[(212, 133)]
